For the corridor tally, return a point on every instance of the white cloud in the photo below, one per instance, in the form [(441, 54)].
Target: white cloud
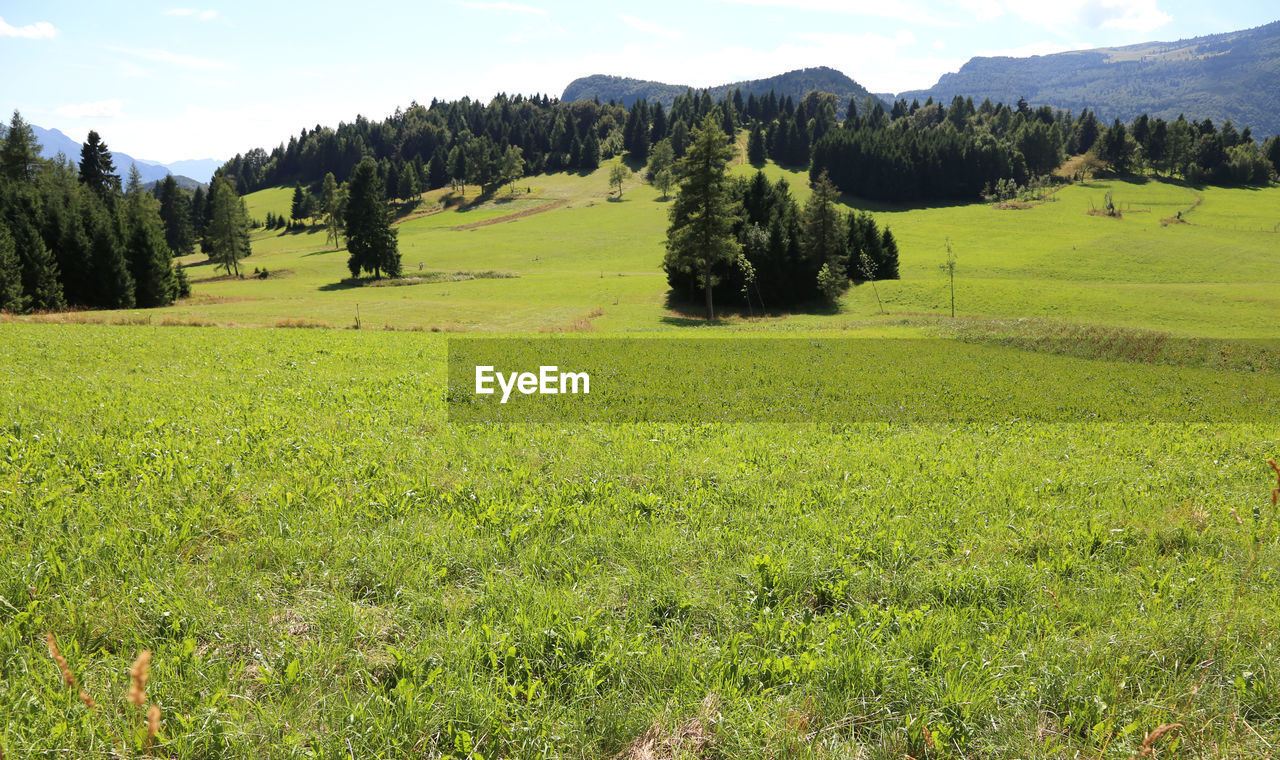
[(899, 10), (648, 27), (175, 59), (202, 15), (502, 7), (1064, 16), (110, 109), (41, 30)]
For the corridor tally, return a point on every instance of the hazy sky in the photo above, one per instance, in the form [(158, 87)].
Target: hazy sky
[(166, 82)]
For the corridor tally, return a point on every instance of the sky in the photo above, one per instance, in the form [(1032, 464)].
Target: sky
[(163, 81)]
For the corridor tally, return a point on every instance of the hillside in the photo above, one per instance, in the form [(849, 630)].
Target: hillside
[(1232, 76), (796, 83)]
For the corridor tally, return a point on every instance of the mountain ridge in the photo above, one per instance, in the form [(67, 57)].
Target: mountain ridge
[(52, 141), (796, 83), (1232, 75)]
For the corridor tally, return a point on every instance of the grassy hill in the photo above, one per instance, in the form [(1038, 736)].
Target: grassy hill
[(1232, 76), (797, 84), (561, 254)]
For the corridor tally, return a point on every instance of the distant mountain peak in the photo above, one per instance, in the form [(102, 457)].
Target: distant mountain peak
[(797, 84)]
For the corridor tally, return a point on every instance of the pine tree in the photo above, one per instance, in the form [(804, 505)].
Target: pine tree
[(21, 152), (111, 284), (437, 170), (755, 145), (370, 239), (175, 212), (823, 234), (298, 208), (19, 210), (150, 259), (887, 266), (97, 171), (701, 234), (11, 297), (589, 161), (226, 239), (408, 189), (197, 213)]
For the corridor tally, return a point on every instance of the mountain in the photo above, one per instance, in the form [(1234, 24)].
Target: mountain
[(797, 84), (185, 183), (1232, 76), (52, 141)]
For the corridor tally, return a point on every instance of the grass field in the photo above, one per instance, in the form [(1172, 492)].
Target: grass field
[(588, 262), (323, 566)]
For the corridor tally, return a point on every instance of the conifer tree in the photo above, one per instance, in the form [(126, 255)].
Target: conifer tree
[(702, 217), (198, 201), (823, 231), (150, 259), (755, 145), (97, 171), (21, 153), (226, 239), (408, 189), (370, 239), (887, 266), (175, 212), (11, 297), (329, 206)]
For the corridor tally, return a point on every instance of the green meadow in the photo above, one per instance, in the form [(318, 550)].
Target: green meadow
[(584, 261), (323, 565)]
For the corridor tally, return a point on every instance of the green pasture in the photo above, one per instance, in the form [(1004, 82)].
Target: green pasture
[(322, 566), (594, 263)]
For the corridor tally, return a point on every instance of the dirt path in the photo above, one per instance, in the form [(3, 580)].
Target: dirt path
[(512, 217)]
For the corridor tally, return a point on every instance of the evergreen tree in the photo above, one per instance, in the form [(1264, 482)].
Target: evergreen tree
[(702, 217), (21, 153), (175, 212), (11, 297), (150, 259), (437, 170), (823, 232), (370, 239), (20, 211), (298, 208), (408, 184), (887, 265), (111, 284), (97, 170), (226, 239), (197, 212), (755, 145), (589, 161), (458, 173)]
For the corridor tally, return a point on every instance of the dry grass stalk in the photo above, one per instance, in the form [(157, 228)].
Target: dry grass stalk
[(1149, 741), (691, 739), (68, 677), (153, 722), (1236, 515), (139, 674)]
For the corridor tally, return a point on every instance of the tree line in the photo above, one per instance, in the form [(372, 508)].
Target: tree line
[(748, 241)]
